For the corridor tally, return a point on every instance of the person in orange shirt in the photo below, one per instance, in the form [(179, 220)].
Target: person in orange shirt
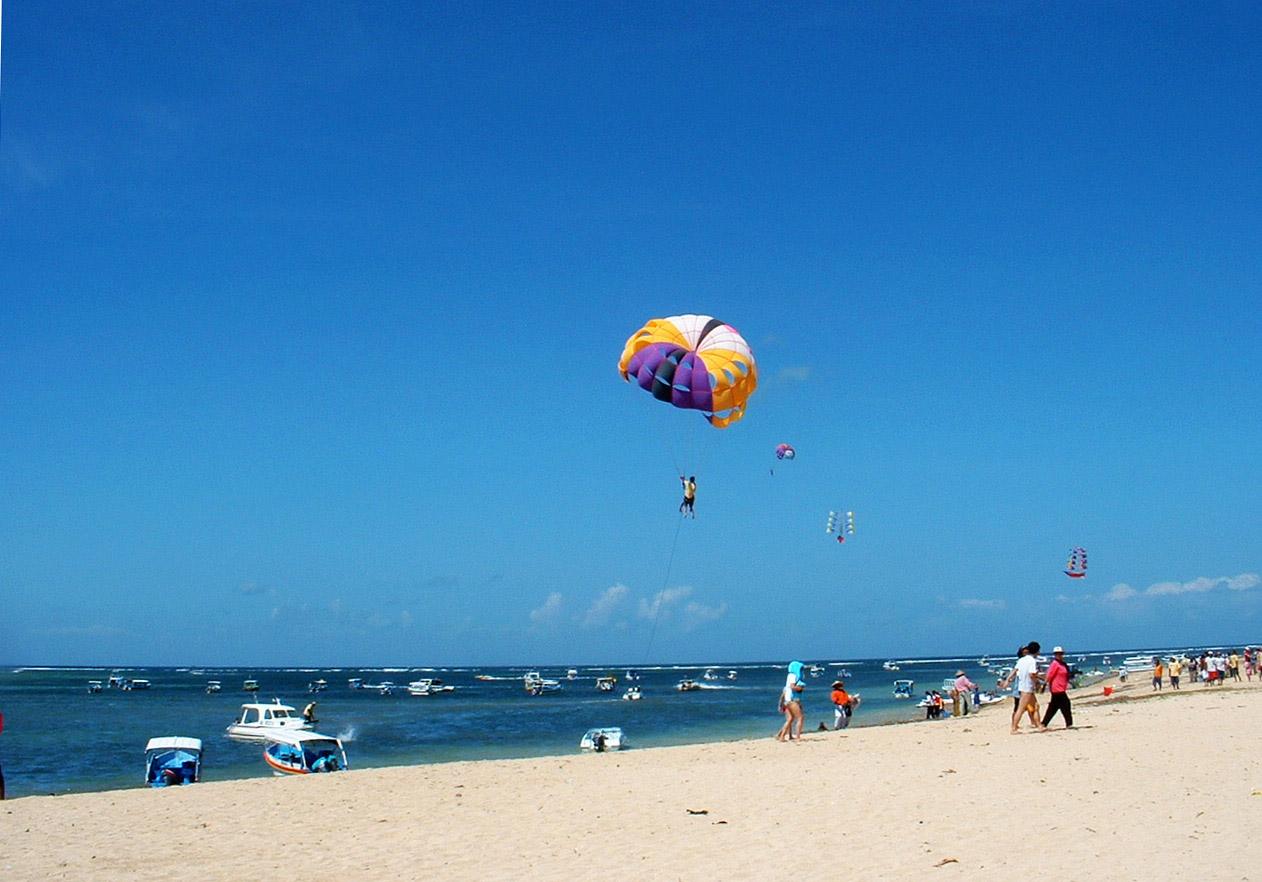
[(843, 705), (1158, 671)]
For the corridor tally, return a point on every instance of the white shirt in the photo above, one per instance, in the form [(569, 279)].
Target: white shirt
[(1026, 667), (789, 694)]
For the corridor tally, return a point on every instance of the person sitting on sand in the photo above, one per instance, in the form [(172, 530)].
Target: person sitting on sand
[(690, 496), (842, 705), (791, 703), (1028, 678)]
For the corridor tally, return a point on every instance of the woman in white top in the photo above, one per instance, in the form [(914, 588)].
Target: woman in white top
[(1028, 676), (791, 703)]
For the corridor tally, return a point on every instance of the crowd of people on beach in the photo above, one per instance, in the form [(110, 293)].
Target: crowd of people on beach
[(1211, 668)]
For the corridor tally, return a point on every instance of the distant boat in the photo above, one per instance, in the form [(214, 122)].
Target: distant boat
[(731, 675), (355, 683), (984, 661), (571, 674), (710, 674), (537, 684), (890, 666), (94, 686), (632, 676), (315, 687), (632, 694), (250, 685), (213, 686), (902, 688), (606, 684), (687, 685), (136, 685), (429, 687)]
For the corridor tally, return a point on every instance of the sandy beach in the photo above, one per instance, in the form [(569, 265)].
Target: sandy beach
[(1130, 794)]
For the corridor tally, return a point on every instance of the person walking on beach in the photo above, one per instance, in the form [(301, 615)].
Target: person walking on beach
[(1176, 669), (964, 689), (1233, 666), (1028, 677), (690, 496), (1058, 685), (791, 703), (843, 705), (1158, 670)]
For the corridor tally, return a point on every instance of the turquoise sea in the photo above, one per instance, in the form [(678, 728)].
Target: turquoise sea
[(58, 738)]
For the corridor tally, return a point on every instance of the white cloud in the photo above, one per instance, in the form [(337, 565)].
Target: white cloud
[(793, 374), (1121, 591), (604, 605), (663, 600), (696, 614), (1199, 585), (548, 611), (978, 603)]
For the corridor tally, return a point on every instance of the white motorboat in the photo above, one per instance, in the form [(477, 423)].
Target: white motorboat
[(890, 666), (304, 753), (632, 694), (1137, 664), (600, 740), (213, 686), (427, 687), (632, 676), (606, 684), (688, 685), (815, 670), (250, 686), (902, 688), (571, 674), (385, 687), (256, 721), (355, 683), (173, 761), (984, 661), (710, 674), (731, 675), (116, 681), (95, 686), (315, 687), (136, 685), (536, 684)]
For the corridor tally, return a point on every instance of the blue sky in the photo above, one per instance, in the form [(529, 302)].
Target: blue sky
[(310, 313)]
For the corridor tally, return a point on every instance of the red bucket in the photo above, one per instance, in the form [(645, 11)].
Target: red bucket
[(1108, 690)]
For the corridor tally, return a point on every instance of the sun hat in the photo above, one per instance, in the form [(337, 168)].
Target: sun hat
[(838, 683), (959, 673), (1056, 649)]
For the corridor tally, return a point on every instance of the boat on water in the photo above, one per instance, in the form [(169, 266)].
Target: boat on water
[(600, 740), (136, 685), (427, 687), (355, 683), (688, 685), (571, 674), (984, 661), (815, 670), (315, 687), (250, 685), (213, 686), (385, 687), (304, 753), (731, 675), (95, 686), (606, 684), (890, 666), (536, 684), (116, 681), (843, 673), (902, 688), (632, 676), (173, 761), (257, 721), (710, 674), (632, 694), (1136, 664)]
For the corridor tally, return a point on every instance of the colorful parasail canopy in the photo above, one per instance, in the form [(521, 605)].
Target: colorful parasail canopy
[(785, 451), (1076, 567), (694, 362)]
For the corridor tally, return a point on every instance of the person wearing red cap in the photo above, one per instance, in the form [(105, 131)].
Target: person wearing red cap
[(1058, 684)]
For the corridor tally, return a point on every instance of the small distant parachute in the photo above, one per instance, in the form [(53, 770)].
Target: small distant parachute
[(785, 451), (1076, 567), (841, 523), (694, 362)]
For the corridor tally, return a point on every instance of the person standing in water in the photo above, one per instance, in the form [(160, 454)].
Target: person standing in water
[(690, 496)]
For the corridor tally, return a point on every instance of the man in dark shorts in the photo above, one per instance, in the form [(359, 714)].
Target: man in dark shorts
[(690, 495)]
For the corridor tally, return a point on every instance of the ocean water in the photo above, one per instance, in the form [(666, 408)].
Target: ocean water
[(57, 738)]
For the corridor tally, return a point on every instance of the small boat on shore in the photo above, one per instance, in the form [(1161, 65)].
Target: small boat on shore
[(601, 740), (304, 753), (173, 761), (688, 685), (257, 722)]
